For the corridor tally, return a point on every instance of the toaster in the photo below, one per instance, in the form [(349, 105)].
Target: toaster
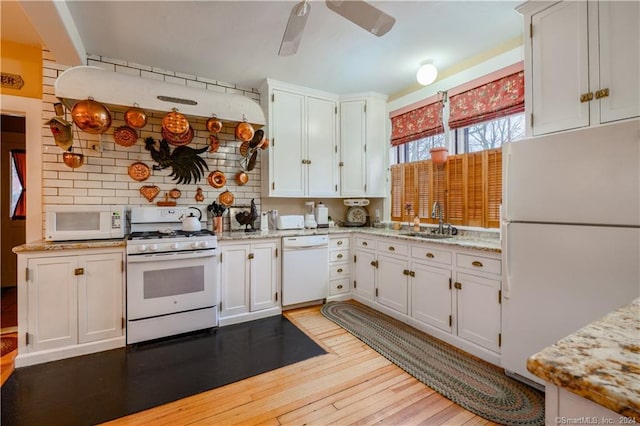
[(293, 221)]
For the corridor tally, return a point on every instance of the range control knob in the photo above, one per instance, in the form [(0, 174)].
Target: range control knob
[(142, 247), (153, 247), (204, 244), (195, 244), (175, 246)]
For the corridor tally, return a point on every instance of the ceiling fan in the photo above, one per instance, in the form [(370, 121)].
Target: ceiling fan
[(359, 12)]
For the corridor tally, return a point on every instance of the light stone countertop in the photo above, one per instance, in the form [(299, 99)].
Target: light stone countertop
[(483, 241), (600, 362)]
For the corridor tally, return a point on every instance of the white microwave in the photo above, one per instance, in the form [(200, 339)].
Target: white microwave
[(74, 222)]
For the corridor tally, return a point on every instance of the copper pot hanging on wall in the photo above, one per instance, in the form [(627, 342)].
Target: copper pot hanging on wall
[(91, 116)]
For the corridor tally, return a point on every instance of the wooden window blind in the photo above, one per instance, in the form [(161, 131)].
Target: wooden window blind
[(468, 187)]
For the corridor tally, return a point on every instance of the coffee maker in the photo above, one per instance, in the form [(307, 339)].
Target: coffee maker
[(309, 217)]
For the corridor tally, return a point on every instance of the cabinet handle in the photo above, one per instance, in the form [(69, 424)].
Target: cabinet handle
[(364, 243), (477, 264), (308, 161), (78, 271), (602, 93), (586, 97), (458, 286), (250, 256), (430, 255), (341, 164), (374, 263), (339, 287), (392, 248), (406, 272), (339, 256), (412, 274), (339, 269), (339, 242)]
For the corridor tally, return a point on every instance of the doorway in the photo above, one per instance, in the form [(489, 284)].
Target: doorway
[(12, 211)]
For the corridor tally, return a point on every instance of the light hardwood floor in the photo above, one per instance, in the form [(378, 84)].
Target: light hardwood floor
[(352, 384)]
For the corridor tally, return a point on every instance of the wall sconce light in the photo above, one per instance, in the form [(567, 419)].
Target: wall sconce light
[(427, 74)]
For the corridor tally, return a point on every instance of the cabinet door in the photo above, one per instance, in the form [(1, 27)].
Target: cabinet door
[(431, 296), (560, 67), (263, 271), (288, 139), (619, 61), (234, 279), (322, 177), (393, 283), (478, 310), (100, 311), (365, 279), (52, 302), (377, 147), (352, 148)]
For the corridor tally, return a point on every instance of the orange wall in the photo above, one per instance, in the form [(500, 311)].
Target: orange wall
[(25, 61)]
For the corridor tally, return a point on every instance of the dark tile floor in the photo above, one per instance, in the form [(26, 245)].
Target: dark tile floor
[(99, 387)]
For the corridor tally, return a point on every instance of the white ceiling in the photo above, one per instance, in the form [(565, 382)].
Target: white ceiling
[(237, 41)]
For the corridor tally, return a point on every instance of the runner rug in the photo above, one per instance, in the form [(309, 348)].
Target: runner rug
[(475, 385)]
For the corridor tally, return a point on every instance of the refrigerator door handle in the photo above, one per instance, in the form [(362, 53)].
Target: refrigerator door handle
[(506, 286)]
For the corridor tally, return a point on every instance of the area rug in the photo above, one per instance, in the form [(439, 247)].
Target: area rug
[(7, 344), (475, 385), (92, 389)]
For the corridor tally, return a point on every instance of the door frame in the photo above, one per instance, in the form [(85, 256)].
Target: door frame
[(31, 110)]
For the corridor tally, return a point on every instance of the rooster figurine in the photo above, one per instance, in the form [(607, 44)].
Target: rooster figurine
[(185, 163), (247, 218)]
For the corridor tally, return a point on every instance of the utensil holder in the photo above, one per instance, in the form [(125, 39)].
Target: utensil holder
[(217, 224)]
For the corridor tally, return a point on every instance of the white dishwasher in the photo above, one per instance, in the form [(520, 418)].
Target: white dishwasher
[(305, 269)]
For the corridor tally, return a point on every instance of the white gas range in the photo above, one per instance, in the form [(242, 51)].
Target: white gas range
[(172, 275)]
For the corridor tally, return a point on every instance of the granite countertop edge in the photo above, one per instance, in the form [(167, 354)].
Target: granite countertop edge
[(472, 240), (600, 362)]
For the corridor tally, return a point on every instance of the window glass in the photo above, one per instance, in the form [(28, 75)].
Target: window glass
[(490, 134), (418, 149), (15, 187)]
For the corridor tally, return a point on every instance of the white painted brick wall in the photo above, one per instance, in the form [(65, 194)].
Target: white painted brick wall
[(104, 179)]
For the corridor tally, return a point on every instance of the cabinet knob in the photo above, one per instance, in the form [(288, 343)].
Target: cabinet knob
[(339, 287), (339, 270), (458, 286), (78, 271), (406, 272), (364, 243), (339, 242), (430, 255), (477, 264), (586, 97), (339, 256), (602, 93), (341, 164), (392, 248), (250, 256), (374, 263)]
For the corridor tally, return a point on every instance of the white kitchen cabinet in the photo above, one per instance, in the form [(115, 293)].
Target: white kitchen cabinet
[(582, 64), (393, 282), (339, 267), (69, 304), (431, 296), (249, 280), (302, 156), (364, 284), (363, 146), (478, 310)]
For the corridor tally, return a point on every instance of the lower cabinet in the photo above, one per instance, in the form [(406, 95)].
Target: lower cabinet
[(431, 296), (478, 306), (364, 283), (249, 277), (339, 267), (69, 305)]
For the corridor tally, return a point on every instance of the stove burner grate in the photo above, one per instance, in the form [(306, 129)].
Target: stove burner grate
[(147, 235)]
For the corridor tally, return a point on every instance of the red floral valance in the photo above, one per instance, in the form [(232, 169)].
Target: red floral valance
[(496, 99), (417, 124)]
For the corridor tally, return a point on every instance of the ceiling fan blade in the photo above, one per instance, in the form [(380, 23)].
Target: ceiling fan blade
[(295, 28), (364, 15)]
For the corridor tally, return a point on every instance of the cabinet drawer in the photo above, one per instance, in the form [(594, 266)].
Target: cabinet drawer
[(338, 243), (432, 255), (338, 286), (478, 263), (339, 270), (365, 243), (393, 247), (338, 255)]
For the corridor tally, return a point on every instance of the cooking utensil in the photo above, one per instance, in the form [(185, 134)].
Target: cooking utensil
[(257, 138), (216, 209), (192, 223), (265, 144), (248, 163), (244, 131), (149, 192), (178, 140), (73, 159), (226, 198), (244, 149), (175, 193), (214, 143), (217, 179), (175, 123), (242, 178), (135, 117), (166, 202), (139, 171), (214, 125), (125, 136), (199, 195), (61, 130), (91, 116)]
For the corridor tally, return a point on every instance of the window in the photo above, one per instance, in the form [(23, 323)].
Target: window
[(417, 150), (490, 134), (18, 202)]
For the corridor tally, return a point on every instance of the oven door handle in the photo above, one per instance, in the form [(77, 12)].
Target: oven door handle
[(159, 257)]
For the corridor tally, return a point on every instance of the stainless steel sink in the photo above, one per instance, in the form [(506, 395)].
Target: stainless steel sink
[(427, 235)]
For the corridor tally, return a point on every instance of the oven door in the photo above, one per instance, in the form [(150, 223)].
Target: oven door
[(167, 283)]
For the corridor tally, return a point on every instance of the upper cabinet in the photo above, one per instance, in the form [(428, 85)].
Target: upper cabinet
[(322, 145), (581, 64)]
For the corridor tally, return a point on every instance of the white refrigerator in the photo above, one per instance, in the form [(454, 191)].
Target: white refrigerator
[(570, 235)]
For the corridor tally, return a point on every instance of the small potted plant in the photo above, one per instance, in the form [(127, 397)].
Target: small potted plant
[(439, 155)]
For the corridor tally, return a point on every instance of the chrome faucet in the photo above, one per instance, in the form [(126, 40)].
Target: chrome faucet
[(436, 211)]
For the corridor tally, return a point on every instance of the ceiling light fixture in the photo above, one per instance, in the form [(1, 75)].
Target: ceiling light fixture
[(427, 73)]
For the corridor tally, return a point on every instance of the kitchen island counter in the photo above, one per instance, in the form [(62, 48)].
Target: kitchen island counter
[(599, 362)]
